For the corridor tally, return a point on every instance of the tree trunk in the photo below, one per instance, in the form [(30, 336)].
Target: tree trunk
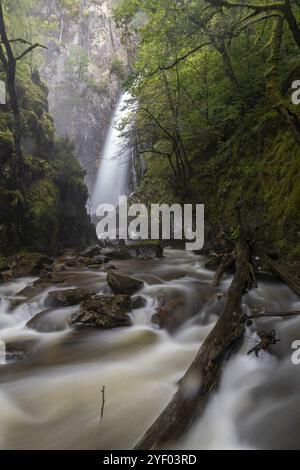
[(272, 86), (292, 22), (9, 64), (206, 369)]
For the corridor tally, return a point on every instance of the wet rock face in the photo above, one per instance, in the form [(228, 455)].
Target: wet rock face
[(85, 64), (65, 298), (103, 312), (120, 284)]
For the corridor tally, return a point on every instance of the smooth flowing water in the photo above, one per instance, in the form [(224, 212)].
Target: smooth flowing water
[(113, 173), (52, 398)]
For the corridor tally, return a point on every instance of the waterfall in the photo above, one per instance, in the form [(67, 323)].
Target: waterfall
[(113, 175)]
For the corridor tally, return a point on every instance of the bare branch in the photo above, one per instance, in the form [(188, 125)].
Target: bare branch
[(180, 59), (31, 48)]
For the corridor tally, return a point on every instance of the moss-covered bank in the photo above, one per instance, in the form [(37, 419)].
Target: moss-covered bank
[(256, 170), (46, 210)]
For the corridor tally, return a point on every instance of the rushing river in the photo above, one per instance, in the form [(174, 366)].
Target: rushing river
[(52, 398)]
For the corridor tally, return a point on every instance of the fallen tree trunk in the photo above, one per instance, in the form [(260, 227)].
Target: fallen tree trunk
[(205, 370), (227, 260), (271, 315), (283, 273)]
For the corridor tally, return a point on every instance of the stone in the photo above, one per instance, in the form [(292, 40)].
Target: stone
[(91, 251), (103, 312), (120, 284), (29, 264), (45, 322), (169, 313), (99, 260), (68, 297), (139, 302)]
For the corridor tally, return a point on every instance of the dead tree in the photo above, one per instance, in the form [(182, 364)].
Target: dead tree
[(225, 339), (9, 63)]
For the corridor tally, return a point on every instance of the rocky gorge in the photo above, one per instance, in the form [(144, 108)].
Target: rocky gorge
[(108, 343)]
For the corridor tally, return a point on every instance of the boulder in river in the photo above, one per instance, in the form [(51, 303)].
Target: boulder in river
[(68, 297), (6, 276), (169, 313), (91, 251), (18, 350), (47, 322), (145, 250), (103, 312), (120, 284), (116, 253), (98, 260), (139, 302), (30, 264)]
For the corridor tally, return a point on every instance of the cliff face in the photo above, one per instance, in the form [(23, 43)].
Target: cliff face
[(46, 209), (84, 67)]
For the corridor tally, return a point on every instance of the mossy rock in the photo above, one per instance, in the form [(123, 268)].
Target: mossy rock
[(103, 312)]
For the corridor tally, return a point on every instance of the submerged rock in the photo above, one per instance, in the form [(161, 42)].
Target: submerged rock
[(139, 302), (68, 297), (169, 313), (103, 312), (18, 350), (47, 322), (120, 284)]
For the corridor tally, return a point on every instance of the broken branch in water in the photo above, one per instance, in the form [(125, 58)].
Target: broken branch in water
[(103, 402), (267, 315), (267, 340)]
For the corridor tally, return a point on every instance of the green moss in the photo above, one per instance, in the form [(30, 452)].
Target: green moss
[(43, 198), (3, 263), (48, 211)]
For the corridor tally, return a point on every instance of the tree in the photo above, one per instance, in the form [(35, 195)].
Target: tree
[(9, 61)]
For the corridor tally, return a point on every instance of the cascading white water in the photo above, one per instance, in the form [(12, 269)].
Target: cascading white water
[(113, 173), (52, 399)]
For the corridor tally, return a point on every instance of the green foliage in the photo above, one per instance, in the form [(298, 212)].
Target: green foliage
[(76, 65), (199, 79), (117, 68)]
